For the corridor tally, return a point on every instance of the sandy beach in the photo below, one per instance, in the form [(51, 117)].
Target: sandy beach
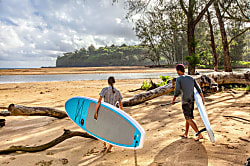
[(163, 125)]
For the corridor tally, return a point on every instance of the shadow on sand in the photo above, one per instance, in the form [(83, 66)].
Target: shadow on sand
[(182, 152)]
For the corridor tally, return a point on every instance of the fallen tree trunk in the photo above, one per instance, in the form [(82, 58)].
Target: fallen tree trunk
[(230, 78), (142, 97), (4, 113), (66, 135), (17, 110), (211, 80)]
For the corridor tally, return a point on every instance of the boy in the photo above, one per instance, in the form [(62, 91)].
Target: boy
[(185, 85)]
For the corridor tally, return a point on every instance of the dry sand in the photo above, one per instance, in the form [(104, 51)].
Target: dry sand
[(163, 125)]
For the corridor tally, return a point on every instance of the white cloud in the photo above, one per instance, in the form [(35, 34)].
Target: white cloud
[(34, 32)]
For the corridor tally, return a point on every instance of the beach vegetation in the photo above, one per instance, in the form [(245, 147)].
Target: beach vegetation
[(147, 85), (248, 88)]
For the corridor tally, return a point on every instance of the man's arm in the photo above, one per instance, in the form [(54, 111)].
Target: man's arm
[(200, 91), (97, 107), (177, 91)]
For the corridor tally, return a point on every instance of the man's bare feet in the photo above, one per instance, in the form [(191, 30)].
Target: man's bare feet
[(110, 149), (184, 135), (199, 137)]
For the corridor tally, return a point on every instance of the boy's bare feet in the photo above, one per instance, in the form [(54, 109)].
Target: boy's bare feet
[(184, 135), (104, 145)]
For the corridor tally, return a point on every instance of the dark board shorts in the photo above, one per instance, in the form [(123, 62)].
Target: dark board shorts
[(188, 110)]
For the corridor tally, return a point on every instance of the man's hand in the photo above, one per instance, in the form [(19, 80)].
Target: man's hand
[(173, 102), (95, 116), (202, 97), (203, 100)]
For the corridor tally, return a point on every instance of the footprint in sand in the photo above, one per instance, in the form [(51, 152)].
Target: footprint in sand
[(49, 153), (44, 163), (6, 162)]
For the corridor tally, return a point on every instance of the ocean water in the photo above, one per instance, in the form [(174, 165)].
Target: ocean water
[(4, 79), (77, 77)]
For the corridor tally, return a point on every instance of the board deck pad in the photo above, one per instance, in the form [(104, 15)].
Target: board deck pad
[(203, 114), (113, 125), (117, 130)]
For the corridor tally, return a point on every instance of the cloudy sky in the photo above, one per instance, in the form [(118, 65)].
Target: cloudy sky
[(34, 32)]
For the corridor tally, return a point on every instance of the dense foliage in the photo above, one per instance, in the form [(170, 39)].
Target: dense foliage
[(105, 56), (177, 28)]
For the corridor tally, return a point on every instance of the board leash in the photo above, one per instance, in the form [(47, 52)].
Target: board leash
[(200, 131), (135, 155)]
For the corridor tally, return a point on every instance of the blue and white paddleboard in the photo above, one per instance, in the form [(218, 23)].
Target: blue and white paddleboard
[(113, 125), (203, 114)]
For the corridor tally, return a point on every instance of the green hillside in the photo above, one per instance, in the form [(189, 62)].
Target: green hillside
[(105, 56)]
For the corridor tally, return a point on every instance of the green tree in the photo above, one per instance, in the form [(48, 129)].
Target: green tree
[(230, 10), (91, 49), (161, 30)]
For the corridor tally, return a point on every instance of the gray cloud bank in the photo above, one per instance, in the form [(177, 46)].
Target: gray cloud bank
[(34, 32)]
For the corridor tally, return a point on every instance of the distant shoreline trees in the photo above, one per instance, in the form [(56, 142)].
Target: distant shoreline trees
[(105, 56)]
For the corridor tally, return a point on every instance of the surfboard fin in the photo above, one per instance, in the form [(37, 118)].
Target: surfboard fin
[(202, 130)]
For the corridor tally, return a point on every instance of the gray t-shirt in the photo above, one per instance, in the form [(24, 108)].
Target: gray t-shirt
[(185, 85), (109, 96)]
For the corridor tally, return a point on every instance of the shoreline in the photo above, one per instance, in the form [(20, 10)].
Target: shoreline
[(88, 70)]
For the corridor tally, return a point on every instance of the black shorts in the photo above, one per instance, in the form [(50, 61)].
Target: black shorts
[(188, 110)]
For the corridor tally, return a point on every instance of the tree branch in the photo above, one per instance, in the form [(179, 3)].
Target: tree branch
[(231, 16), (225, 8), (66, 135), (238, 35), (243, 14), (183, 7), (237, 19), (203, 12)]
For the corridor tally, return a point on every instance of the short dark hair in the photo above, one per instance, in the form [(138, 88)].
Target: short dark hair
[(180, 67)]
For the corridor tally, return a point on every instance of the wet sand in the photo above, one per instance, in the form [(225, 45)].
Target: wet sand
[(86, 70), (163, 125)]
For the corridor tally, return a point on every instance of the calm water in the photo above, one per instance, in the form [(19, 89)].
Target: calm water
[(76, 77)]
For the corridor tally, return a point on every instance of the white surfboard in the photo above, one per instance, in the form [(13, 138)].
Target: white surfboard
[(203, 114)]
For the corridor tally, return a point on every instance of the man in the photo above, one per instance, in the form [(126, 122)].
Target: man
[(185, 85)]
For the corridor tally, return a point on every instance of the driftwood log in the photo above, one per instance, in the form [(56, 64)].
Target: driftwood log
[(211, 80), (2, 122), (17, 110), (66, 135)]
